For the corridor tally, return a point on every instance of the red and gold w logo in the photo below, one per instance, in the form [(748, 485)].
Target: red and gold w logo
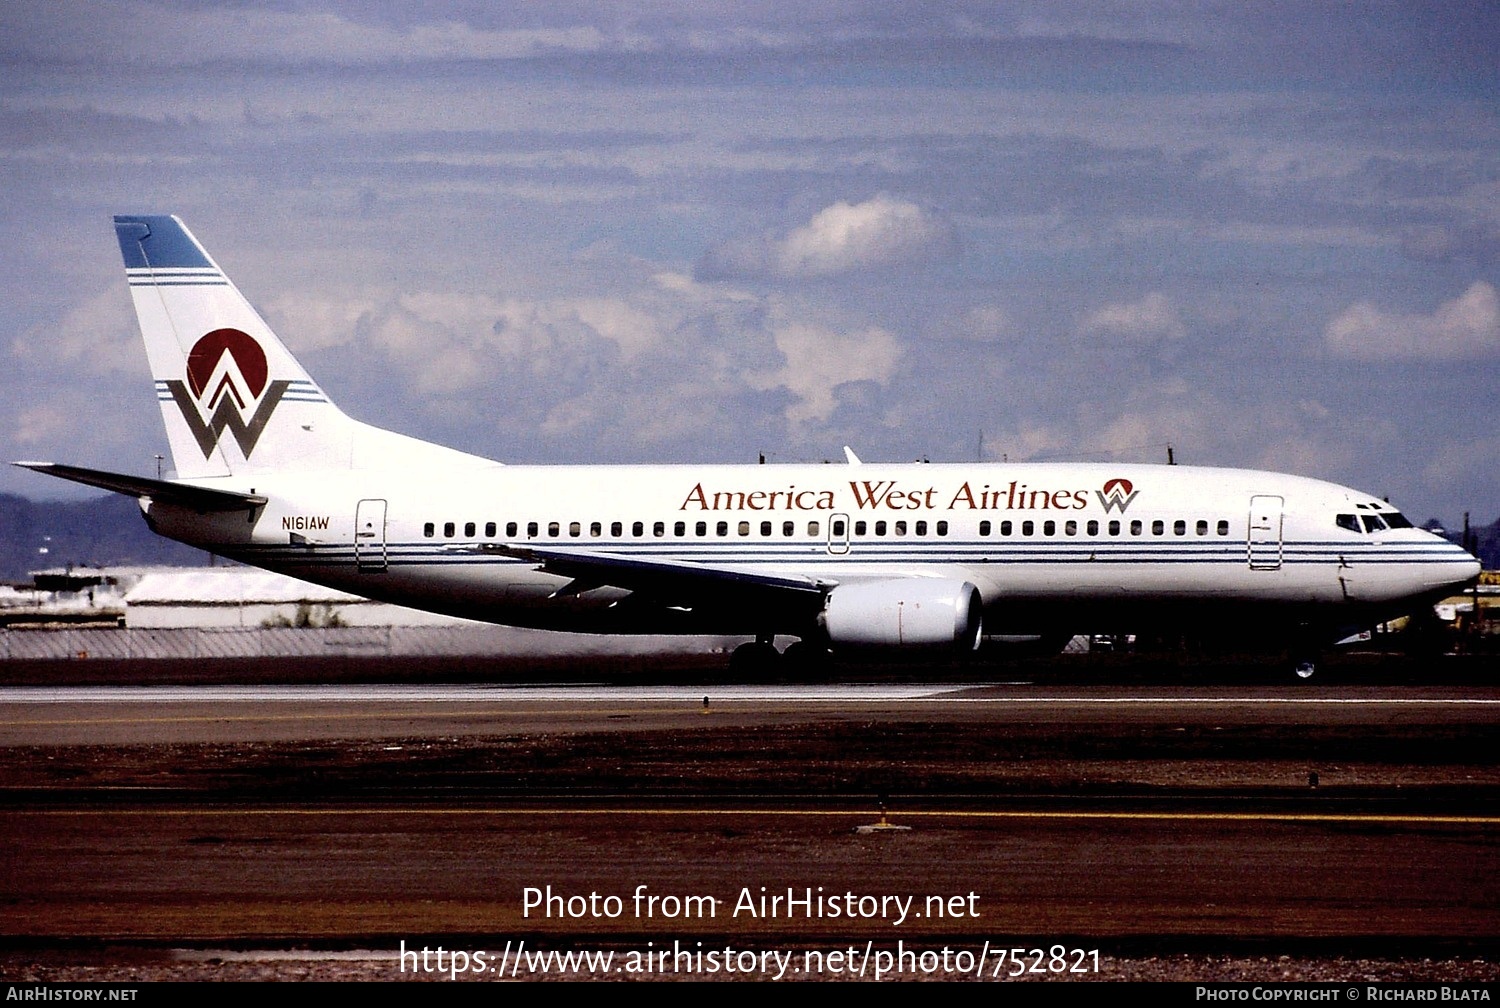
[(226, 378)]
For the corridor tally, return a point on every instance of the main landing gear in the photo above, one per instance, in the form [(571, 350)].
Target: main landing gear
[(759, 658)]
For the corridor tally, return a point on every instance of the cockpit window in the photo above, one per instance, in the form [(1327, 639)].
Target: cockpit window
[(1372, 523), (1395, 519), (1348, 521)]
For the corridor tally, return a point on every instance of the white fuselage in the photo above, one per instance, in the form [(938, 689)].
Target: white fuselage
[(1089, 548)]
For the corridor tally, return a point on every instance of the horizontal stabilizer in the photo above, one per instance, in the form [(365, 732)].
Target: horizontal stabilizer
[(181, 494)]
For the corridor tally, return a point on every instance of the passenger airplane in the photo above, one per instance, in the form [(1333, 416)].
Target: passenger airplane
[(846, 558)]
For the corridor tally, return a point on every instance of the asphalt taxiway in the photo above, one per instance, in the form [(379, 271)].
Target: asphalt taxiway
[(1159, 817)]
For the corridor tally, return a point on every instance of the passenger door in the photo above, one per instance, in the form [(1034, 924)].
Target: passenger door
[(369, 537), (1264, 535)]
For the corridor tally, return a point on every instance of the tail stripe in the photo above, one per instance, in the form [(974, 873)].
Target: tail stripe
[(176, 278), (297, 391)]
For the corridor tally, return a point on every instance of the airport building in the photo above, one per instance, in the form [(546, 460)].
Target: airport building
[(246, 597)]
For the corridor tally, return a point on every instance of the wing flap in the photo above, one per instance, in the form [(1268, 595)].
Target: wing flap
[(676, 582)]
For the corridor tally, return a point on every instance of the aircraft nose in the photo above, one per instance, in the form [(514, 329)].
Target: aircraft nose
[(1472, 570), (1462, 574)]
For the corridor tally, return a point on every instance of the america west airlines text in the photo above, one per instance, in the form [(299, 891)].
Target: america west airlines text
[(890, 495)]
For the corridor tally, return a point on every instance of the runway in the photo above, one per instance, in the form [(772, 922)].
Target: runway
[(70, 715), (1139, 820)]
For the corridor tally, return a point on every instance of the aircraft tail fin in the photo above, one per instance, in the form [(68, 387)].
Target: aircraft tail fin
[(233, 398)]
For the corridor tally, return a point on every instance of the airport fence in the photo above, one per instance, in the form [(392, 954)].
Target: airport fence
[(338, 642)]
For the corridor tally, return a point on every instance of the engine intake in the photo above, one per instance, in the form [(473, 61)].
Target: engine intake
[(904, 612)]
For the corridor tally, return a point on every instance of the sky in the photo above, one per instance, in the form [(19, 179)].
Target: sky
[(1266, 235)]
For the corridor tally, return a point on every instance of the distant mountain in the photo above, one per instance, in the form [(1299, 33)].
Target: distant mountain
[(106, 531)]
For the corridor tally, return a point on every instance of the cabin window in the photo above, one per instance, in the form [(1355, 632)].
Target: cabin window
[(1093, 528), (554, 529), (859, 528), (744, 528), (616, 529), (722, 528), (679, 529), (837, 529), (510, 530), (531, 530), (1136, 527), (812, 528), (659, 529), (942, 528), (1223, 529), (1028, 527), (880, 528), (575, 529), (489, 530), (1179, 527), (984, 528), (596, 529), (637, 528), (468, 530), (1070, 527), (1202, 527), (1049, 528), (429, 530), (921, 528), (901, 528), (448, 529), (788, 528), (1005, 528), (701, 528), (1158, 527), (1114, 527)]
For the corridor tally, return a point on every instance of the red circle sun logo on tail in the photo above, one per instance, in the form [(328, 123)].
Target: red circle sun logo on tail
[(249, 359), (231, 395)]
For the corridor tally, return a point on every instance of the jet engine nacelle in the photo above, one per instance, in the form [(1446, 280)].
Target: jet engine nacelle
[(905, 612)]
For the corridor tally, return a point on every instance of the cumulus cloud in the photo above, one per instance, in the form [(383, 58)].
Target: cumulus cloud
[(819, 359), (454, 343), (576, 366), (1466, 327), (842, 238), (1151, 318)]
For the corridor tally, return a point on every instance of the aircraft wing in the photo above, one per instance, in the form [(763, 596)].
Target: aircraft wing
[(673, 582), (182, 494)]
